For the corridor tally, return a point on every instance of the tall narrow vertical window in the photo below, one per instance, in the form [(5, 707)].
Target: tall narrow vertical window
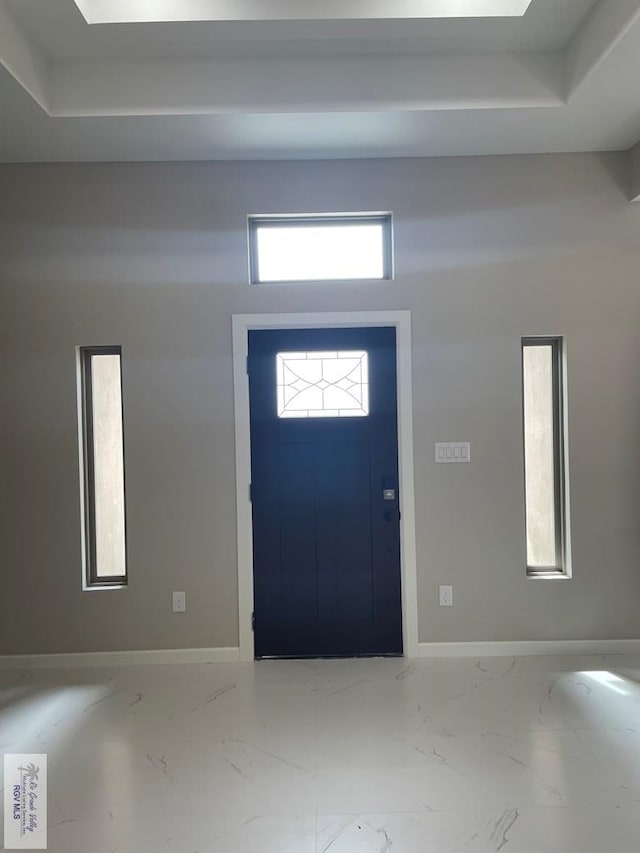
[(103, 454), (542, 384)]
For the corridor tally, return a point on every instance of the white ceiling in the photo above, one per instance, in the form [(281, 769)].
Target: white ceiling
[(294, 79), (59, 31), (172, 11)]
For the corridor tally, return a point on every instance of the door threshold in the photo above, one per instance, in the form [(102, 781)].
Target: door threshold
[(332, 657)]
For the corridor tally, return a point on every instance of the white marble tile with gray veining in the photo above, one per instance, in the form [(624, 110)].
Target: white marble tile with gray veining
[(344, 756)]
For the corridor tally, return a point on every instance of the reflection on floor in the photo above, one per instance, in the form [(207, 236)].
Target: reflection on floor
[(353, 756)]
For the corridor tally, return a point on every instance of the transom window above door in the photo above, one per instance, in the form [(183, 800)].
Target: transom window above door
[(322, 384), (323, 247)]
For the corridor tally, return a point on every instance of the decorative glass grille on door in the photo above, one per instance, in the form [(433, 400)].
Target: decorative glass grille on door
[(322, 384)]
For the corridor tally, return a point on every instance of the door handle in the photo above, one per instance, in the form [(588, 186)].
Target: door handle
[(392, 515)]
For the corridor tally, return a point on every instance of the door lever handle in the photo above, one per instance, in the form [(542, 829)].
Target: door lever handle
[(391, 515)]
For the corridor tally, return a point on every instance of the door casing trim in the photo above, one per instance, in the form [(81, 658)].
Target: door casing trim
[(401, 321)]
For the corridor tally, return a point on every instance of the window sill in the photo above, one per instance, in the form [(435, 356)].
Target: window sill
[(323, 281), (565, 576), (100, 587)]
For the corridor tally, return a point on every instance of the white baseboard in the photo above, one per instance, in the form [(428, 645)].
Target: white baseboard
[(528, 647), (232, 653), (126, 658)]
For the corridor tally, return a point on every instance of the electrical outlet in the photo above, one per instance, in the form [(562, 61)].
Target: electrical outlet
[(446, 596), (179, 602)]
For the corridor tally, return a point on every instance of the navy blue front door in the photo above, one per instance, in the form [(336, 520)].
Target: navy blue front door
[(324, 470)]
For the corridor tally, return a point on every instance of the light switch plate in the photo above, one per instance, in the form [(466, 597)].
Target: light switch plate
[(179, 602), (453, 451)]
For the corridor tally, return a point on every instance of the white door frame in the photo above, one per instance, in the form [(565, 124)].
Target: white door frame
[(241, 325)]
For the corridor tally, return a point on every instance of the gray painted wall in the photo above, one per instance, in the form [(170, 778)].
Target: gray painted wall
[(153, 257)]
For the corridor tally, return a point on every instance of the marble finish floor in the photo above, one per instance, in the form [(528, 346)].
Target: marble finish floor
[(521, 755)]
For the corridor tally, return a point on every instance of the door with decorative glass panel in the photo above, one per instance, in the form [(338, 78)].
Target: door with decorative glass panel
[(324, 470)]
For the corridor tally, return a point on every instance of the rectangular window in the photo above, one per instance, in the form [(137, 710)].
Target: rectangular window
[(320, 248), (322, 384), (103, 468), (543, 415)]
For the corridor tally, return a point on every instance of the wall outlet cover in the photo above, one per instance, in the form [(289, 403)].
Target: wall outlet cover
[(179, 602), (446, 596)]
